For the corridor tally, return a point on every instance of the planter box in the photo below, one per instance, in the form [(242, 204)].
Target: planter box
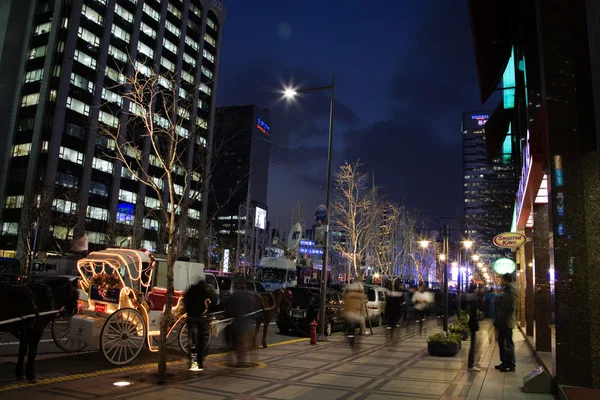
[(466, 335), (442, 350)]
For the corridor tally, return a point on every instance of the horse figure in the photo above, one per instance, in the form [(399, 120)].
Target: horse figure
[(272, 302), (34, 298)]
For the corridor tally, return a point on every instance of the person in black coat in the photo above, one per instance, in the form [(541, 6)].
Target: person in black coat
[(196, 301), (473, 327), (393, 311)]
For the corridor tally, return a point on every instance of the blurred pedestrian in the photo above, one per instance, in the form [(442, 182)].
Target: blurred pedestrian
[(421, 301), (196, 302), (242, 308), (505, 322), (473, 327), (354, 309), (393, 311)]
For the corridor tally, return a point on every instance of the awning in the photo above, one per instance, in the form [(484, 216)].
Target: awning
[(491, 30), (496, 129)]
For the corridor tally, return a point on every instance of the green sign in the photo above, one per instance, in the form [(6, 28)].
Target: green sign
[(504, 266)]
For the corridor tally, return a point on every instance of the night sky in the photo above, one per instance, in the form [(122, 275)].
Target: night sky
[(405, 71)]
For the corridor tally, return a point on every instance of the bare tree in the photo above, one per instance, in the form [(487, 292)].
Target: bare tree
[(351, 211)]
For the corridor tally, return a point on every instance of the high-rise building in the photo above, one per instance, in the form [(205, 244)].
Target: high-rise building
[(489, 187), (67, 71), (240, 178)]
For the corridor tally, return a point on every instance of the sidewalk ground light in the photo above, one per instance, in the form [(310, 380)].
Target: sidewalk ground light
[(121, 383)]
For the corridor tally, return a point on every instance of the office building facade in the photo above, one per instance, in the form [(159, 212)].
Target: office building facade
[(489, 186), (74, 56)]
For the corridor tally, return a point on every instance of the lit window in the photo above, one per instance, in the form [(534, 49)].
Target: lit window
[(102, 165), (42, 29), (208, 55), (64, 206), (37, 52), (120, 33), (45, 145), (183, 93), (154, 160), (92, 15), (203, 87), (164, 82), (200, 141), (111, 96), (174, 10), (187, 77), (201, 122), (189, 59), (99, 189), (143, 69), (70, 155), (183, 113), (193, 27), (14, 201), (167, 64), (148, 30), (196, 10), (194, 214), (212, 24), (106, 142), (155, 15), (30, 99), (85, 59), (181, 131), (192, 43), (62, 233), (151, 202), (178, 189), (172, 28), (34, 76), (145, 49), (209, 39), (97, 213), (10, 228), (67, 180), (95, 237), (78, 106), (207, 72), (116, 53), (123, 13), (127, 196), (170, 46), (149, 245), (158, 182), (161, 121), (151, 224), (108, 119), (88, 36), (82, 83), (115, 75), (126, 173)]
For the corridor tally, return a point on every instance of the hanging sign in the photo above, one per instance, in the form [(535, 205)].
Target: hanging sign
[(504, 266), (508, 240)]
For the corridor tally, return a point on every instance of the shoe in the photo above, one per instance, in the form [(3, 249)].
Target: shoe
[(474, 369), (507, 369), (195, 367), (499, 366)]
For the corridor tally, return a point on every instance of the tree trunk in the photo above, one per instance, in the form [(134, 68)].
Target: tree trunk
[(167, 315)]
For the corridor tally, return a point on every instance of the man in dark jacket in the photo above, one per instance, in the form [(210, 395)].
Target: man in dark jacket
[(473, 327), (505, 323), (196, 301)]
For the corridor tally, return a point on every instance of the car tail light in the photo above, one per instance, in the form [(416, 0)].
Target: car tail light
[(372, 307)]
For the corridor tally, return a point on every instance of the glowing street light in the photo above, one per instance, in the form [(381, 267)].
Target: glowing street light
[(289, 93), (442, 257), (424, 243), (475, 257), (468, 244), (480, 264)]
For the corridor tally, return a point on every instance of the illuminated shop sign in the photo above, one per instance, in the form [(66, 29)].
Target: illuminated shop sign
[(263, 127), (125, 212), (480, 116), (307, 243), (307, 250)]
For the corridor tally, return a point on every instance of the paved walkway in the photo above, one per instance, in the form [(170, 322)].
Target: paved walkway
[(329, 370)]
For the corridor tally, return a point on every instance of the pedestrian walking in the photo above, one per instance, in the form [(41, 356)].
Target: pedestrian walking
[(354, 309), (393, 311), (473, 327), (421, 300), (196, 302), (505, 322)]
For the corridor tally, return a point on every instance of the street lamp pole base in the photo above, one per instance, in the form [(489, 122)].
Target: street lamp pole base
[(322, 338)]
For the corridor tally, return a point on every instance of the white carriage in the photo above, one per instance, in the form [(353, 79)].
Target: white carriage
[(122, 313)]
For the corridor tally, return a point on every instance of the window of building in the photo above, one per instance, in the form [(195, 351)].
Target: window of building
[(189, 59), (20, 150), (209, 39), (30, 99), (151, 202), (152, 13), (181, 131), (201, 122), (154, 160), (158, 182), (143, 69), (78, 106), (10, 228), (108, 119), (67, 180), (99, 189), (183, 93), (167, 64), (64, 206), (149, 245), (126, 173), (82, 83), (192, 43), (211, 23), (97, 213), (200, 141), (92, 15), (170, 46), (88, 36), (194, 214), (172, 28), (183, 113), (111, 96), (120, 33), (14, 201), (62, 232), (123, 13), (151, 224), (70, 155), (127, 196), (174, 10), (208, 55), (8, 253), (37, 52), (207, 72), (106, 142), (145, 49), (95, 237), (196, 10), (85, 59), (205, 88), (161, 121), (117, 54), (34, 76), (42, 28), (187, 77), (26, 124), (75, 131), (102, 165), (114, 75), (148, 30), (193, 27)]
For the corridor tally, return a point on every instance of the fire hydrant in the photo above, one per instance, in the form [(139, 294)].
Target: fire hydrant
[(313, 332)]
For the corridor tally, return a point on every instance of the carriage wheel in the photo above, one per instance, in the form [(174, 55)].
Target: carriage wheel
[(61, 329), (172, 338), (184, 340), (123, 336)]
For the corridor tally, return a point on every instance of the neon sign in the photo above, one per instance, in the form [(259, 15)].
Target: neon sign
[(307, 243), (304, 250), (480, 116), (524, 175), (263, 127)]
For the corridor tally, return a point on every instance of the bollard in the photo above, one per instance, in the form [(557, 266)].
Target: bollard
[(313, 332)]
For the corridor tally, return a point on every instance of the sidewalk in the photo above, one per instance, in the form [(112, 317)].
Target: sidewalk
[(329, 370)]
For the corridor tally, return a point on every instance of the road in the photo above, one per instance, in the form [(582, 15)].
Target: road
[(52, 362)]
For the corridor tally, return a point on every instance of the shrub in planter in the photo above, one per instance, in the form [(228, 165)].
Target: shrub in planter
[(461, 329), (443, 344)]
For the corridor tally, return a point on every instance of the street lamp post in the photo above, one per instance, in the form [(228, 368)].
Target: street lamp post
[(323, 300)]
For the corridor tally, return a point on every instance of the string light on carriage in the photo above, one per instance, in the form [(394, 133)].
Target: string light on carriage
[(121, 383)]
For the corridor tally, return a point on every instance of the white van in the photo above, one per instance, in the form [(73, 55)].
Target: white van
[(376, 296)]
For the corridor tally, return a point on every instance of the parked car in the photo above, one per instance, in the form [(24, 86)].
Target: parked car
[(227, 285), (305, 309), (376, 299)]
